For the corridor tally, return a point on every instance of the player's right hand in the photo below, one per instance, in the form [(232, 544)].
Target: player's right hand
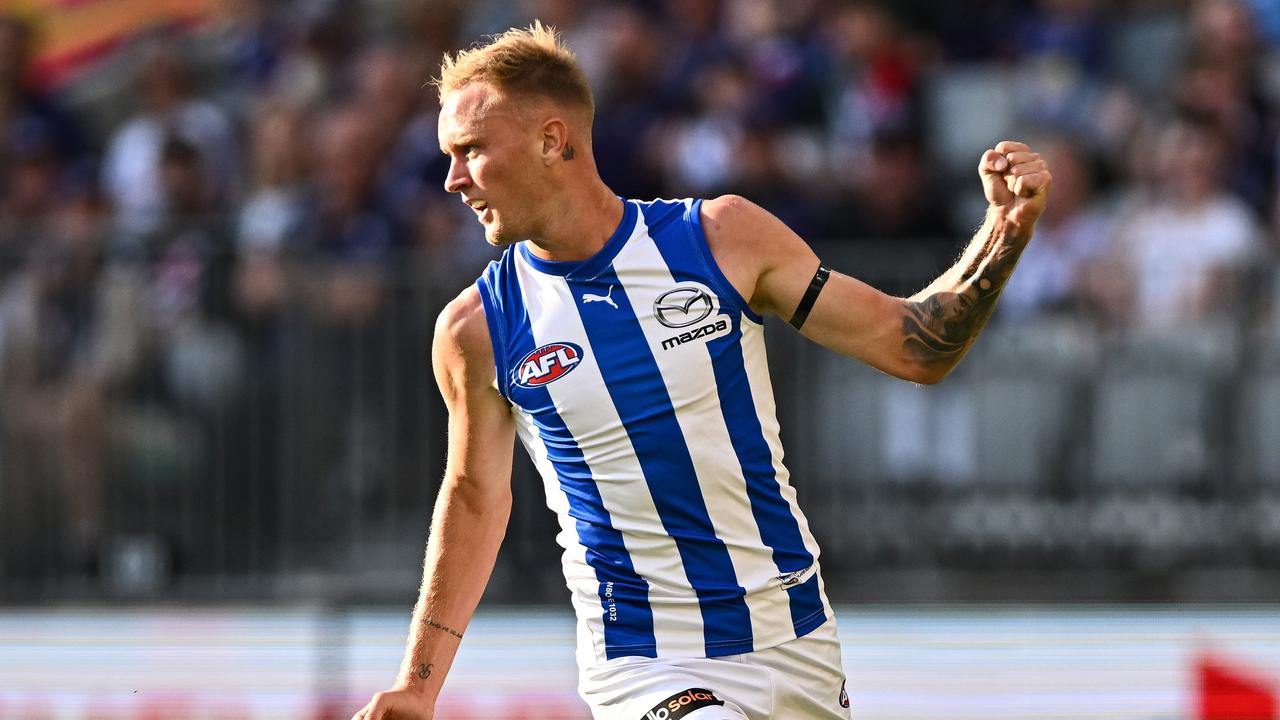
[(397, 705), (1016, 180)]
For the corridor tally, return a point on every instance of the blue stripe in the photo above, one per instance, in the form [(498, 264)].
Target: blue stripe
[(627, 615), (686, 256), (490, 299), (635, 385), (692, 222)]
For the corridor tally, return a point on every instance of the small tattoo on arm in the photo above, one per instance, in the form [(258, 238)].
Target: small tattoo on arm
[(568, 153), (433, 624), (424, 670)]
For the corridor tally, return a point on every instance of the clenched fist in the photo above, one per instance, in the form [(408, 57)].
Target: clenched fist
[(1016, 181)]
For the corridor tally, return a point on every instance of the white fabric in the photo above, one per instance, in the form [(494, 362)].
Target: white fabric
[(131, 165), (800, 679), (1174, 250)]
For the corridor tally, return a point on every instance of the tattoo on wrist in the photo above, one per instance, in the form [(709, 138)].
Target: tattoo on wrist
[(432, 623), (568, 153), (424, 670), (940, 327)]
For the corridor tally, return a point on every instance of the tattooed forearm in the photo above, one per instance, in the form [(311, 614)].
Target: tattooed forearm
[(940, 326), (433, 624)]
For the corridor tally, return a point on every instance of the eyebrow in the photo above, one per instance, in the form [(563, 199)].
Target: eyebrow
[(458, 142)]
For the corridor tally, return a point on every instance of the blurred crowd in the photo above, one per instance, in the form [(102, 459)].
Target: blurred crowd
[(257, 210)]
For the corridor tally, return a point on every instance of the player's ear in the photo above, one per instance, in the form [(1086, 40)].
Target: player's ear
[(555, 138)]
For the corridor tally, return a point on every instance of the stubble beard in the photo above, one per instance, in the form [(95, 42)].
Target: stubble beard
[(501, 234), (495, 234)]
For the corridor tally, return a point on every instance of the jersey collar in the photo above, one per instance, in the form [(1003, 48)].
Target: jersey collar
[(594, 264)]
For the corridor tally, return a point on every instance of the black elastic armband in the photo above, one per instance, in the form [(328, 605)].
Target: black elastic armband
[(810, 296)]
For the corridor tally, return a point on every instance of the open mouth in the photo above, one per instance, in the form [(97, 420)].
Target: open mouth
[(481, 209)]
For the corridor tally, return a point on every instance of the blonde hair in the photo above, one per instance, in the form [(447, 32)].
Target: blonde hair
[(521, 61)]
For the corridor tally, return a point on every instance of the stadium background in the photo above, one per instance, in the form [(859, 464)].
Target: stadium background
[(223, 243)]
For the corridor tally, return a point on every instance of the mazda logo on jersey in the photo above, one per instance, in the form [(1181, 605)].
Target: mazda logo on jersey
[(548, 363), (683, 306)]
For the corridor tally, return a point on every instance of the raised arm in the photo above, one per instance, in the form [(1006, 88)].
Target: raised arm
[(920, 338), (470, 516)]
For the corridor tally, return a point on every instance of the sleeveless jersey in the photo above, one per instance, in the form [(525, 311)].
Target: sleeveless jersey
[(639, 386)]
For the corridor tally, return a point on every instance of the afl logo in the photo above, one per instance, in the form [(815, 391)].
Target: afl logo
[(682, 307), (548, 363)]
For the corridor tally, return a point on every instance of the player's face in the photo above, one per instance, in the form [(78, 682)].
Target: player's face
[(494, 163)]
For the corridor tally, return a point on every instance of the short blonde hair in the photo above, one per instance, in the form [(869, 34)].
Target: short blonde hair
[(521, 61)]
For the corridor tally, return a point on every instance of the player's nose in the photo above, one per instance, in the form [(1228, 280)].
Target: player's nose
[(458, 178)]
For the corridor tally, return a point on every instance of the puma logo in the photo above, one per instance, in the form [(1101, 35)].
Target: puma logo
[(606, 298)]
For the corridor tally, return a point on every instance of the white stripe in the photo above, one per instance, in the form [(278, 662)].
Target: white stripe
[(689, 376), (579, 576), (609, 455), (756, 361)]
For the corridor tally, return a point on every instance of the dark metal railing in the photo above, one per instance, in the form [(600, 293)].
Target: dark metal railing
[(292, 448)]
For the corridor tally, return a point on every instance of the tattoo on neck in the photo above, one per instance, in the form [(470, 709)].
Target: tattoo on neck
[(568, 153), (940, 328), (424, 670), (433, 624)]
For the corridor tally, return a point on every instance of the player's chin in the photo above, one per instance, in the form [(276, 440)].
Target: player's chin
[(495, 236)]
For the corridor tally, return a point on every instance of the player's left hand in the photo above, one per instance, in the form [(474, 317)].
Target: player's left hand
[(1016, 181)]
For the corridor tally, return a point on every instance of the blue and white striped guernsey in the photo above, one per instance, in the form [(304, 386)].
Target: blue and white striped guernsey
[(640, 388)]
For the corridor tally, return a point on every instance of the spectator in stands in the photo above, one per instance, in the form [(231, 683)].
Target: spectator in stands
[(250, 38), (628, 108), (1061, 51), (412, 182), (1183, 250), (386, 85), (33, 187), (876, 92), (1225, 80), (309, 69), (351, 248), (974, 31), (271, 228), (190, 265), (790, 67), (890, 197), (40, 147), (432, 28), (693, 36), (131, 166), (21, 99), (275, 211), (705, 144), (66, 343), (1054, 271), (349, 227)]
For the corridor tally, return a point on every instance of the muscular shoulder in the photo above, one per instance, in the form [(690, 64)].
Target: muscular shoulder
[(733, 222), (462, 324), (461, 351), (751, 246)]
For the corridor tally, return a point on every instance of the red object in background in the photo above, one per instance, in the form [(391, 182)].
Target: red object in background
[(74, 35), (1229, 692)]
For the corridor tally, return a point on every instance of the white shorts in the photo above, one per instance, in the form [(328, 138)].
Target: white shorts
[(800, 679)]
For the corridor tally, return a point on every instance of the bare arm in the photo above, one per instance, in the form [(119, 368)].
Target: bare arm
[(470, 515), (941, 322), (920, 338)]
